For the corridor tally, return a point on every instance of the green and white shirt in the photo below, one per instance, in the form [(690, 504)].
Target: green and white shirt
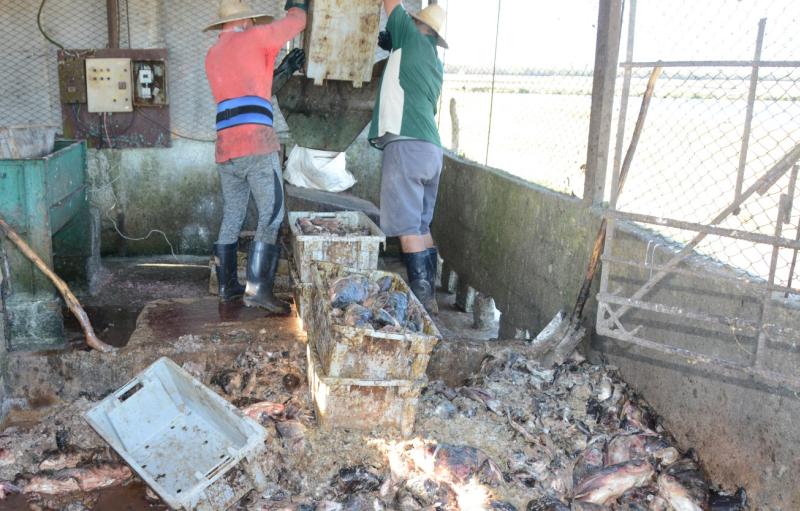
[(410, 86)]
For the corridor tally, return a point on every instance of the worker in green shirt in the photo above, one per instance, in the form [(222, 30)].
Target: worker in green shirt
[(404, 127)]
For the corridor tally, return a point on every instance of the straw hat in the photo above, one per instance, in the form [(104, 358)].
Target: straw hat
[(235, 10), (434, 17)]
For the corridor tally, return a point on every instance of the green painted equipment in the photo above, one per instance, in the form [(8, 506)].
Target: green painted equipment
[(44, 200)]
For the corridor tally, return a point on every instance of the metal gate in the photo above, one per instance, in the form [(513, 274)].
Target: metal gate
[(714, 189)]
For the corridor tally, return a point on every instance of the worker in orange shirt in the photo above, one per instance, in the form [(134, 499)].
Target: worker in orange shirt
[(240, 70)]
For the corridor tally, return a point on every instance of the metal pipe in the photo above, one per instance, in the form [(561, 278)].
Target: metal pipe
[(707, 229), (744, 325), (713, 364), (112, 13), (760, 186), (751, 100), (712, 63), (623, 106)]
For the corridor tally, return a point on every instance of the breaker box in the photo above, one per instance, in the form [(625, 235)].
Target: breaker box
[(108, 85)]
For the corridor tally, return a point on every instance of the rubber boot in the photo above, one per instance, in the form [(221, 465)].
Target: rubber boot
[(433, 270), (417, 268), (262, 265), (225, 263)]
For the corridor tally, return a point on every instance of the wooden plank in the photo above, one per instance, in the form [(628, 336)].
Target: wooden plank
[(341, 40)]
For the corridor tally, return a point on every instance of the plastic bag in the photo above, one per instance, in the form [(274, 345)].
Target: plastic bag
[(320, 170)]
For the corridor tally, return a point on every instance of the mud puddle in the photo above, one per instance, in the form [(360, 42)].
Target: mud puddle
[(112, 323), (174, 319), (131, 497)]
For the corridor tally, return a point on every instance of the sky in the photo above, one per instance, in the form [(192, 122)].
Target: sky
[(562, 33)]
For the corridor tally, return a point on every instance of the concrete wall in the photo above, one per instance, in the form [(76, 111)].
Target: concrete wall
[(528, 248)]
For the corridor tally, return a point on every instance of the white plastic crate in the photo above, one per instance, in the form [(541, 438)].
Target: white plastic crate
[(358, 252), (367, 404), (193, 448)]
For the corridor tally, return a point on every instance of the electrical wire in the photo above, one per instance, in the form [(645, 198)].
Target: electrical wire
[(41, 29), (105, 129), (177, 134)]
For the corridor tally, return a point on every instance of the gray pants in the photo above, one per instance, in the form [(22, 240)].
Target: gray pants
[(409, 185), (260, 175)]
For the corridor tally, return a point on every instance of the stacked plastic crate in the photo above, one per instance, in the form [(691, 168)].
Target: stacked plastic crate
[(360, 377)]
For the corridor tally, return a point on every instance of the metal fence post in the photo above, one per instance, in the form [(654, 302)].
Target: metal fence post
[(609, 31)]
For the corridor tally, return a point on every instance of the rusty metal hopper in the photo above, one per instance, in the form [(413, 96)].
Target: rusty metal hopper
[(328, 116)]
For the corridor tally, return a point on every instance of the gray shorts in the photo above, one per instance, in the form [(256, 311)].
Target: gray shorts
[(410, 182)]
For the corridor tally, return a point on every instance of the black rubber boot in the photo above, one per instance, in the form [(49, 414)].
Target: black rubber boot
[(433, 270), (262, 265), (225, 262), (417, 268)]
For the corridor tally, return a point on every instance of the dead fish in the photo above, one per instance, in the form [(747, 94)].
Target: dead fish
[(501, 505), (63, 460), (604, 389), (637, 499), (636, 418), (8, 488), (624, 448), (611, 482), (684, 486), (230, 381), (7, 457), (385, 284), (483, 396), (460, 463), (589, 461), (293, 433), (547, 504), (263, 410), (719, 501), (51, 485), (291, 382), (356, 479), (384, 318), (356, 315), (347, 290), (676, 494)]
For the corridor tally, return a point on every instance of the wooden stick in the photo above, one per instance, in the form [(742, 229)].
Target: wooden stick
[(72, 302), (600, 239)]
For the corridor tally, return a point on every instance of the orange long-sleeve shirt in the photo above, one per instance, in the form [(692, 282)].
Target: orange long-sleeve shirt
[(242, 64)]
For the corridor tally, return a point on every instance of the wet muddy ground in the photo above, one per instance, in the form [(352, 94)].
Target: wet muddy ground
[(514, 436)]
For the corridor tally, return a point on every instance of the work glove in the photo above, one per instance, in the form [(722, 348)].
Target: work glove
[(296, 3), (385, 40), (293, 61)]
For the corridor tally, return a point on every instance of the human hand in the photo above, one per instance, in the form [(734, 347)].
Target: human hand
[(385, 40)]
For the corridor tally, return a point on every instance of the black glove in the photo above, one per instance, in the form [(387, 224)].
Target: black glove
[(296, 3), (293, 61), (385, 40)]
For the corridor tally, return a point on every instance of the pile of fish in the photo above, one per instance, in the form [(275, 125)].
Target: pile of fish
[(330, 227), (360, 302), (587, 442)]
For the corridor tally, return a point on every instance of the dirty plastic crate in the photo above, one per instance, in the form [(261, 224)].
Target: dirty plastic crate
[(362, 352), (353, 403), (193, 448), (302, 295), (359, 252)]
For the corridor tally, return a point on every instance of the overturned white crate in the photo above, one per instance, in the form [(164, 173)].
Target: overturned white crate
[(363, 352), (193, 448), (358, 403)]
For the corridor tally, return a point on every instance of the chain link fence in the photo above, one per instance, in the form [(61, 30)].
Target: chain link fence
[(517, 87), (725, 111)]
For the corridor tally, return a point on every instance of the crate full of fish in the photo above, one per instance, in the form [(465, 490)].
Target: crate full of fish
[(368, 324), (193, 448), (348, 238), (354, 403)]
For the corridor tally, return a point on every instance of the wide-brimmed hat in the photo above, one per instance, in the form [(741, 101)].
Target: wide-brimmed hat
[(235, 10), (434, 17)]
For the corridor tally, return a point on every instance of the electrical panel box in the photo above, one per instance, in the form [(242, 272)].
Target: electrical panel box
[(150, 77), (109, 85), (72, 80)]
